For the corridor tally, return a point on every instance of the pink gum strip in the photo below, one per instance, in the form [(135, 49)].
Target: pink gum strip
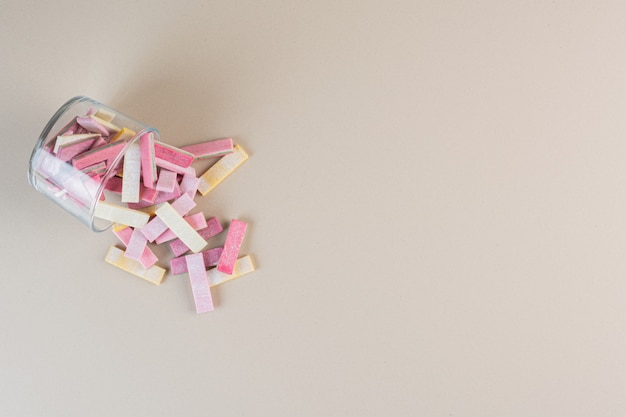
[(102, 153), (148, 167), (147, 195), (163, 197), (189, 185), (213, 229), (98, 143), (172, 154), (69, 129), (199, 282), (211, 257), (210, 148), (148, 258), (67, 152), (197, 221), (114, 184), (156, 227), (136, 245), (234, 239)]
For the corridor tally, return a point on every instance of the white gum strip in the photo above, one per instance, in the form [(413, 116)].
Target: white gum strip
[(180, 227), (119, 214), (132, 174)]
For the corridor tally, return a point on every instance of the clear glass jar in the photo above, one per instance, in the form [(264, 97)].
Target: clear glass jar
[(57, 164)]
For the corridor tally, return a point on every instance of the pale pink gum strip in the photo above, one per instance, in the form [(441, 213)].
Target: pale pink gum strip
[(232, 245), (166, 181), (211, 257), (163, 197), (199, 283), (173, 167), (189, 185), (148, 258), (93, 126), (136, 245)]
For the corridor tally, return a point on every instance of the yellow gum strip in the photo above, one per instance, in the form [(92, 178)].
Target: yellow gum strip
[(154, 274), (221, 169), (243, 266)]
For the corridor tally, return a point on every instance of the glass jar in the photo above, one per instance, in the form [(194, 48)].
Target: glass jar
[(81, 148)]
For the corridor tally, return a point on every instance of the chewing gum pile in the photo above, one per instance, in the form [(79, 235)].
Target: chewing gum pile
[(149, 198)]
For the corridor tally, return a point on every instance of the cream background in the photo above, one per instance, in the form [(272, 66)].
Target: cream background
[(435, 196)]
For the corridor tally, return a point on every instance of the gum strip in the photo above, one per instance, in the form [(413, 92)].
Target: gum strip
[(132, 174), (163, 196), (189, 185), (156, 226), (119, 214), (210, 149), (105, 115), (213, 229), (147, 195), (211, 257), (232, 245), (221, 169), (197, 221), (180, 227), (66, 140), (172, 154), (162, 163), (92, 125), (243, 266), (115, 257), (102, 153), (123, 233), (199, 283), (167, 181), (124, 134), (136, 245), (69, 151), (148, 167)]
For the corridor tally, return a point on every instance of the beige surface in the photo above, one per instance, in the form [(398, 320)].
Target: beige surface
[(435, 194)]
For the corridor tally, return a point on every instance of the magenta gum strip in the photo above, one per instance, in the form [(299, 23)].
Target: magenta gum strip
[(213, 229), (211, 257)]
